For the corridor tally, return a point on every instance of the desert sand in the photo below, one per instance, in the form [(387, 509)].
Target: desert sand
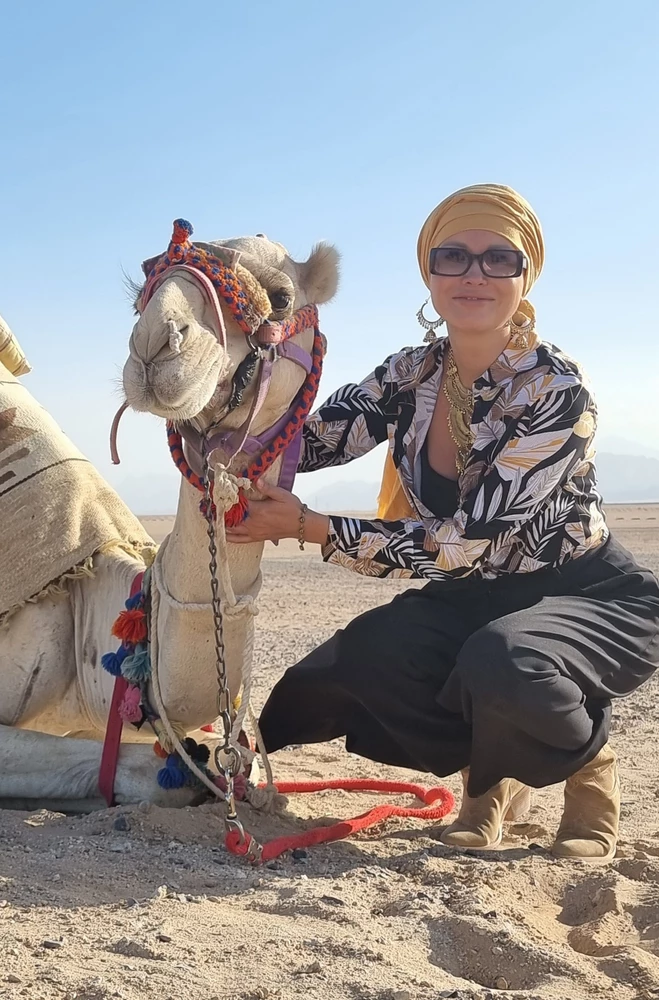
[(145, 902)]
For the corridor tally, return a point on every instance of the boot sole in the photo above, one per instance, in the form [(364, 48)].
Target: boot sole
[(592, 862), (462, 848)]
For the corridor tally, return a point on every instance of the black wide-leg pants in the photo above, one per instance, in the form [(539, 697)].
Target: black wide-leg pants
[(512, 677)]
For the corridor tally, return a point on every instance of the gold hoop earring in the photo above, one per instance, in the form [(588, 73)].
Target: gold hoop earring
[(520, 335), (428, 325)]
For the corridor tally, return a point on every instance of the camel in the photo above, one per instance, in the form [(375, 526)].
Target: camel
[(55, 697)]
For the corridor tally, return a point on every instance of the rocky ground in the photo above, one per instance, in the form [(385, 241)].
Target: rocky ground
[(146, 903)]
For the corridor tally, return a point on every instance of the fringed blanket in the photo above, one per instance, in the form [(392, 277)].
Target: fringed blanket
[(56, 511)]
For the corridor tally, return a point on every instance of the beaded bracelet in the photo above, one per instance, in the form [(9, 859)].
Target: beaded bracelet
[(303, 518)]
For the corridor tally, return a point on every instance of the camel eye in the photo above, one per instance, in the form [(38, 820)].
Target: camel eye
[(280, 300)]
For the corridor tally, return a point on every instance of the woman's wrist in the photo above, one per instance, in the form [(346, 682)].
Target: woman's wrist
[(315, 528)]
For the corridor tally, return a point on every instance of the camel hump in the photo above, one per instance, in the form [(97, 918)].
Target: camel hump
[(11, 355)]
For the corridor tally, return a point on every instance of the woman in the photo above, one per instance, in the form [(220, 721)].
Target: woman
[(505, 664)]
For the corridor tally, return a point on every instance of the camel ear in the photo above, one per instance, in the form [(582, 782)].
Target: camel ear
[(319, 276)]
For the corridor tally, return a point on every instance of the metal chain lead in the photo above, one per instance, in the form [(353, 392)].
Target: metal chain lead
[(227, 758)]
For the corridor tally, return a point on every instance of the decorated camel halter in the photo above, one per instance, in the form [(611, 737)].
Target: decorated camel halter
[(270, 342)]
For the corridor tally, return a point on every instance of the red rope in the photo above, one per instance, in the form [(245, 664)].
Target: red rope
[(345, 828)]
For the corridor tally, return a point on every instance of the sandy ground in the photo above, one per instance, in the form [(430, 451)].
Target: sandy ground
[(145, 902)]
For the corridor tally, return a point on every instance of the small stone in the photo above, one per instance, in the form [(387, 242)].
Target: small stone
[(121, 824), (51, 945), (165, 938), (401, 995), (500, 983), (299, 854), (13, 979), (497, 950), (332, 900), (56, 878), (310, 970), (120, 846)]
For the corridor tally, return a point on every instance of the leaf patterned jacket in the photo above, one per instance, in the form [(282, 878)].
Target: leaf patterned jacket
[(528, 493)]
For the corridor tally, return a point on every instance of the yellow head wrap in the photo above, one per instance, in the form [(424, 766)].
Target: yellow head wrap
[(496, 209)]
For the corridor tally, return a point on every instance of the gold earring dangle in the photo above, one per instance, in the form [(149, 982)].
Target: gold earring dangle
[(520, 335), (428, 325)]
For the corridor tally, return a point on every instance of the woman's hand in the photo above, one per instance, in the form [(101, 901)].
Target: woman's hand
[(277, 516)]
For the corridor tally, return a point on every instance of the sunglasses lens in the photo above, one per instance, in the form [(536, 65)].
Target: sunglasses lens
[(501, 263), (449, 261)]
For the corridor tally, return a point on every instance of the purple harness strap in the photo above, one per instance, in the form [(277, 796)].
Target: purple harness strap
[(234, 441)]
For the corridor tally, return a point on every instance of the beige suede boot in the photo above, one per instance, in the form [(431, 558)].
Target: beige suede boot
[(589, 828), (479, 825)]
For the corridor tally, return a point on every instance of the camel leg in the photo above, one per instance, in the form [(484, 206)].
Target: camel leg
[(40, 771)]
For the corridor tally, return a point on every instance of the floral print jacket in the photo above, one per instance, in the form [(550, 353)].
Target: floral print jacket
[(528, 494)]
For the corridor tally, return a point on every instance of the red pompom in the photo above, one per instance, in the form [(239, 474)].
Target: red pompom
[(159, 752), (131, 626), (237, 514)]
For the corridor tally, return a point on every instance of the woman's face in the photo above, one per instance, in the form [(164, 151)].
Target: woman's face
[(474, 302)]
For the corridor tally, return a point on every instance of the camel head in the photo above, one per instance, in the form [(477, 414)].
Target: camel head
[(179, 368)]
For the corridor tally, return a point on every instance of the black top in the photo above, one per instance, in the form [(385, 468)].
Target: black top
[(439, 494)]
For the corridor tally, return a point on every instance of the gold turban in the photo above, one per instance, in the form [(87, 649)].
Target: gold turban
[(493, 207), (496, 209)]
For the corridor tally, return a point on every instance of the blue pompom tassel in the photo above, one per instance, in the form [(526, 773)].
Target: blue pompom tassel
[(185, 225), (135, 601), (112, 661), (171, 775), (137, 668)]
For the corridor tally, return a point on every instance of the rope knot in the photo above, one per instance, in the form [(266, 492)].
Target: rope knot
[(228, 495), (226, 487), (244, 606)]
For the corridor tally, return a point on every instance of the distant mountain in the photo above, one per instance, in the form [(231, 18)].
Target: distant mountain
[(622, 479), (344, 496), (613, 444), (628, 478), (150, 494)]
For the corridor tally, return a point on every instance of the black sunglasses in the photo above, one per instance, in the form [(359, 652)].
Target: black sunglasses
[(453, 262)]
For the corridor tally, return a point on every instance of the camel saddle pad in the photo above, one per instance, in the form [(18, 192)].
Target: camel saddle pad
[(56, 511)]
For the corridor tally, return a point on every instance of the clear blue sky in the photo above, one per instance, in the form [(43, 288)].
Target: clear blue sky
[(348, 121)]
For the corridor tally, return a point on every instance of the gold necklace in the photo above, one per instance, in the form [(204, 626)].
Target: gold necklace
[(460, 410)]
